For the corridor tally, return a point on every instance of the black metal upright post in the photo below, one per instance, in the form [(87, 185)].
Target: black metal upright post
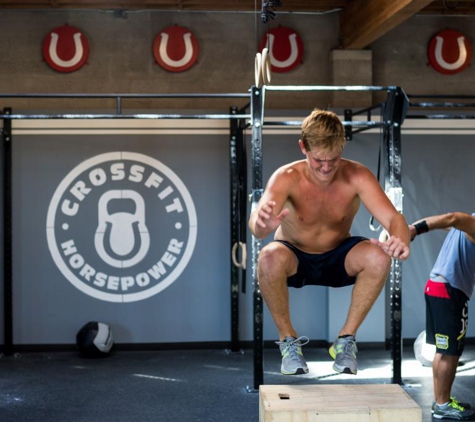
[(257, 116), (234, 179), (394, 113), (238, 177), (243, 197), (7, 235)]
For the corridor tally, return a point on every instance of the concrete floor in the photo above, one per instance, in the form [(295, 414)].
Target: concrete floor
[(185, 385)]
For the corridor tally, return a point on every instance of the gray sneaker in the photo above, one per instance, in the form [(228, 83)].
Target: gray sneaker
[(344, 350), (453, 411), (293, 362), (466, 406)]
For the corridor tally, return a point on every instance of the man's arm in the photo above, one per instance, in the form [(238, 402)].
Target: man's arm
[(458, 220), (270, 211), (379, 205)]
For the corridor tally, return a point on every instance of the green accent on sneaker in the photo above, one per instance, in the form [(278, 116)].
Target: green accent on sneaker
[(464, 405), (344, 350), (293, 362), (453, 411)]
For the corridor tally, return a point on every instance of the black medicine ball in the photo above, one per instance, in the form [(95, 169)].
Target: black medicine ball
[(94, 340)]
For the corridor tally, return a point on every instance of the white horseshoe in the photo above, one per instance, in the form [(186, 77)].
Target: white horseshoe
[(266, 73), (53, 45), (258, 70), (294, 51), (176, 63), (462, 54)]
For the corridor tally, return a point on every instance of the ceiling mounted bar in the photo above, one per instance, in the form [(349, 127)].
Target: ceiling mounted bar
[(328, 88), (119, 100), (150, 116), (442, 116), (136, 96), (345, 123), (445, 105), (458, 97)]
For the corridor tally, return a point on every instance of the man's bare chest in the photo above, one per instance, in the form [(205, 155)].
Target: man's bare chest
[(329, 207)]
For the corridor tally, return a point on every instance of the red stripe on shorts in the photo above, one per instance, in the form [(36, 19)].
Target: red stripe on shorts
[(435, 289)]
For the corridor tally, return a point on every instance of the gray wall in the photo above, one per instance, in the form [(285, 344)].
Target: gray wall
[(49, 309)]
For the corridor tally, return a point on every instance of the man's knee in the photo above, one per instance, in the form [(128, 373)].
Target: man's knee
[(366, 257), (379, 261), (276, 257)]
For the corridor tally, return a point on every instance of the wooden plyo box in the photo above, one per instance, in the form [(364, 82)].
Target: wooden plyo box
[(337, 403)]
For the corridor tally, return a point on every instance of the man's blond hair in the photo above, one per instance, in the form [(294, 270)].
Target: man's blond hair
[(323, 129)]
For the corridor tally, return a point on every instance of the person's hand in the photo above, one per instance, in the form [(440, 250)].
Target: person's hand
[(394, 247), (266, 218)]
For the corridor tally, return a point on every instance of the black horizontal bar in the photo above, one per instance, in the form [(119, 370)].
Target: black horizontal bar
[(328, 88), (466, 97), (345, 123), (115, 96), (123, 116), (442, 116), (445, 105)]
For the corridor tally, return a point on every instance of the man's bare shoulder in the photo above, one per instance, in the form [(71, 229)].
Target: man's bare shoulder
[(352, 165), (291, 170), (285, 177), (354, 170)]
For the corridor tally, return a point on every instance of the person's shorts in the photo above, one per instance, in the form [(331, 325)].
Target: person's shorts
[(446, 317), (326, 269)]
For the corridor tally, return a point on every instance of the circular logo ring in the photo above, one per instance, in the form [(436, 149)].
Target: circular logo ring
[(62, 264)]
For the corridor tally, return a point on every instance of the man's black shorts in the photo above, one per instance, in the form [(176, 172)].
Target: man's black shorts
[(326, 269), (446, 317)]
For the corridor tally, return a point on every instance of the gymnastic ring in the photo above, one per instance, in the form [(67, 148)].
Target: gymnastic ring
[(383, 236), (241, 264), (258, 70), (266, 68)]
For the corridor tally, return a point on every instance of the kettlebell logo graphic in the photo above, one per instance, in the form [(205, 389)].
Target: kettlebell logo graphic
[(122, 238), (101, 233)]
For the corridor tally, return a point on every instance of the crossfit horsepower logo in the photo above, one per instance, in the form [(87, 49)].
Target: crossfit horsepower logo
[(121, 227)]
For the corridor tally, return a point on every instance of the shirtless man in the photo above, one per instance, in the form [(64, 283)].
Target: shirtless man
[(311, 204)]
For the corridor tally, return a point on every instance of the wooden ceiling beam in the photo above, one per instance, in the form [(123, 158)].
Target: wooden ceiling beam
[(204, 5), (397, 10), (364, 21)]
